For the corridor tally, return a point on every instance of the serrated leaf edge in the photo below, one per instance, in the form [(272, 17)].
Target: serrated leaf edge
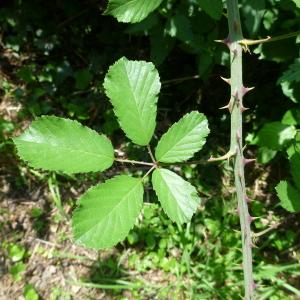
[(156, 96), (29, 163), (91, 189), (181, 120)]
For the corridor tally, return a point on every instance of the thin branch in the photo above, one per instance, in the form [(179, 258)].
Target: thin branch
[(191, 162), (181, 79), (258, 234), (149, 171), (151, 154), (134, 162)]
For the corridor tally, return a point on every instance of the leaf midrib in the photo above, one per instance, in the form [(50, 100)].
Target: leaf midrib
[(144, 131), (179, 141), (178, 206)]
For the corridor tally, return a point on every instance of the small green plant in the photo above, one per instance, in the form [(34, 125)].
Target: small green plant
[(106, 212)]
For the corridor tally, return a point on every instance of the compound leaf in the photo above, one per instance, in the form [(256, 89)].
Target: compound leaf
[(59, 144), (178, 197), (131, 11), (183, 138), (132, 87), (107, 212), (289, 196)]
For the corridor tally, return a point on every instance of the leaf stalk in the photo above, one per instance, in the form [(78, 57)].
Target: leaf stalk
[(134, 162)]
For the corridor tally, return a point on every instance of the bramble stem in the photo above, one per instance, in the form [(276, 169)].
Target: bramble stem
[(236, 143), (134, 162)]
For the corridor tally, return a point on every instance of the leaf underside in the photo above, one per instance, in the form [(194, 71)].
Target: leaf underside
[(183, 138), (132, 87), (107, 212), (178, 197), (131, 11), (289, 196), (59, 144)]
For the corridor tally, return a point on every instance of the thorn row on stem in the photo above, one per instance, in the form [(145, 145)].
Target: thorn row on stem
[(230, 105)]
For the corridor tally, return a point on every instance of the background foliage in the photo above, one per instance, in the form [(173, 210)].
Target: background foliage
[(54, 56)]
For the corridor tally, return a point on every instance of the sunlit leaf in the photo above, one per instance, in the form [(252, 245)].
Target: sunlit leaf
[(183, 138), (131, 11), (58, 144), (132, 87), (107, 212), (178, 197)]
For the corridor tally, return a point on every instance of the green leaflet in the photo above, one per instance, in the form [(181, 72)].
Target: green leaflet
[(131, 11), (289, 196), (107, 212), (183, 138), (132, 87), (178, 197), (58, 144)]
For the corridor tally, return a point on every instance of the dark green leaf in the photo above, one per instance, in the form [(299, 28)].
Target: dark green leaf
[(295, 168), (213, 8), (289, 196)]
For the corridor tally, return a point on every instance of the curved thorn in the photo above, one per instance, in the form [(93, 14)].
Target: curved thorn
[(224, 107), (226, 41), (245, 89), (227, 80), (247, 42), (249, 160), (228, 155), (243, 108)]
